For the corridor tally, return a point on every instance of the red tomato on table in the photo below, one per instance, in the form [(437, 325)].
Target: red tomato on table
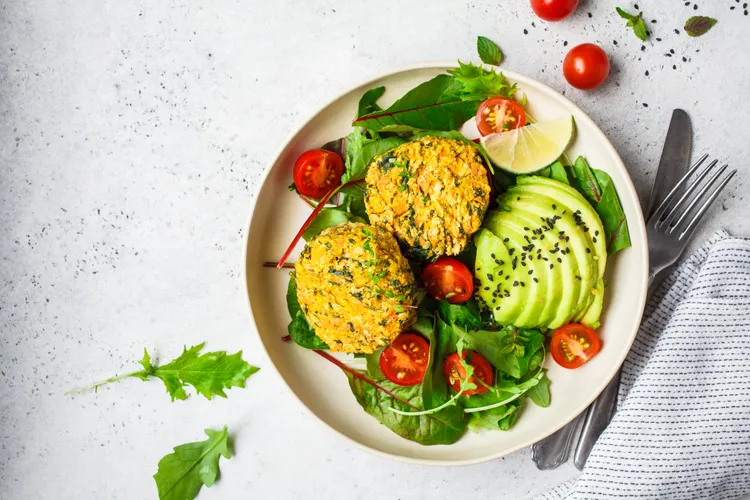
[(586, 66), (554, 10)]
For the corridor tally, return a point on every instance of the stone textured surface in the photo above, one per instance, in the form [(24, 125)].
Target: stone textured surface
[(132, 138)]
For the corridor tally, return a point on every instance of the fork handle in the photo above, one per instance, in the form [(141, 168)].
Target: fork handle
[(597, 419)]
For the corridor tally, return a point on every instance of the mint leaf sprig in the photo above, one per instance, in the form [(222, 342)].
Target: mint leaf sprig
[(635, 22), (208, 373), (489, 52)]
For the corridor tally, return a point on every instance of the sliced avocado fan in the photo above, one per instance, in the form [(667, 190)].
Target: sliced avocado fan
[(541, 257)]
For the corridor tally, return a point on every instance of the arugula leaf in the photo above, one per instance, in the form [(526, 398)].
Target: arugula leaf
[(501, 417), (635, 22), (489, 52), (540, 394), (299, 329), (208, 373), (478, 84), (368, 102), (699, 25), (599, 190), (182, 474), (326, 218), (435, 104)]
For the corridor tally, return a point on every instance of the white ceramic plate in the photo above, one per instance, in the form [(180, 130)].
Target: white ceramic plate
[(323, 388)]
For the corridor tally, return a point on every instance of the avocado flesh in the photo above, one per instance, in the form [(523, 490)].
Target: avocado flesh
[(496, 275), (539, 294), (569, 237), (551, 290), (569, 196), (571, 290)]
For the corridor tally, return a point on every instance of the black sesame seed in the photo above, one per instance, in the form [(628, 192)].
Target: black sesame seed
[(695, 7), (535, 280), (658, 39), (596, 233), (588, 250), (515, 283), (486, 288), (565, 43), (554, 207), (646, 72), (614, 41), (644, 104), (635, 6), (593, 239), (590, 15), (489, 277), (507, 276), (525, 31), (523, 284), (551, 266), (676, 31), (559, 260), (579, 278), (506, 240), (531, 271)]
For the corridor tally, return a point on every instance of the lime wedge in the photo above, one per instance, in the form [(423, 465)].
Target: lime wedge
[(528, 149)]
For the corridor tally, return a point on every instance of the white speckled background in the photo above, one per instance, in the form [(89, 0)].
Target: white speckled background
[(132, 137)]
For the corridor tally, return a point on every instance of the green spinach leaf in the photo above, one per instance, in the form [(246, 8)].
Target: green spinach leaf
[(509, 350), (599, 190), (299, 329), (502, 417), (556, 171), (326, 218), (435, 104), (539, 393)]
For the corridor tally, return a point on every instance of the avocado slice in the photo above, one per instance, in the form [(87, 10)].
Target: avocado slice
[(496, 272), (585, 215), (531, 271), (570, 243), (590, 316)]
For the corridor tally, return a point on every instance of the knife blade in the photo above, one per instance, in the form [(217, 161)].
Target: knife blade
[(675, 159), (674, 162)]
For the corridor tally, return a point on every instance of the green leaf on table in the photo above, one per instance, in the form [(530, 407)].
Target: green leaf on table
[(489, 52), (368, 102), (635, 22), (478, 84), (699, 25), (301, 332), (209, 373), (181, 474), (434, 104), (599, 190)]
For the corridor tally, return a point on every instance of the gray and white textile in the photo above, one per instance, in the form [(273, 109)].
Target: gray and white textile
[(682, 428)]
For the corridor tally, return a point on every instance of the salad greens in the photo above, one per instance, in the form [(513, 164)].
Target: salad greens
[(209, 373), (181, 474), (430, 412)]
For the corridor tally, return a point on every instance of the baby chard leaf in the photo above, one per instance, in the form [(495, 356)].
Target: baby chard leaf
[(181, 474), (699, 25), (489, 52), (208, 373)]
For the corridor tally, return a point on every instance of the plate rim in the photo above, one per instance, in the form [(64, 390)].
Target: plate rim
[(640, 227)]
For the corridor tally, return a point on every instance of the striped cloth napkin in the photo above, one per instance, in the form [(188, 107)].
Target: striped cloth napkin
[(682, 427)]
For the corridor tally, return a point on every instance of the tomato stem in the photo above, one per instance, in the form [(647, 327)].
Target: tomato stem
[(309, 220)]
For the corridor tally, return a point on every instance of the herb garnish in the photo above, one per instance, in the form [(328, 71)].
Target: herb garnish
[(699, 25), (635, 22), (489, 52)]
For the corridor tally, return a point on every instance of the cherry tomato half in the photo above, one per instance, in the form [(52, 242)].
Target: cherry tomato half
[(317, 171), (586, 66), (554, 10), (404, 362), (573, 345), (448, 279), (498, 114), (454, 372)]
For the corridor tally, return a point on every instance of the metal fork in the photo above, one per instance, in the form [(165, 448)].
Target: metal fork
[(673, 223), (669, 231)]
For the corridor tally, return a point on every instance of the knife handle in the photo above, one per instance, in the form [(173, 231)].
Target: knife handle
[(597, 419)]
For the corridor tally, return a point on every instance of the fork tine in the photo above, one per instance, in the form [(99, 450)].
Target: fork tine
[(696, 219), (659, 212), (696, 199), (673, 211)]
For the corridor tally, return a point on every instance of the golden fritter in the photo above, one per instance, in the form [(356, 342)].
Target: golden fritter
[(430, 193), (355, 287)]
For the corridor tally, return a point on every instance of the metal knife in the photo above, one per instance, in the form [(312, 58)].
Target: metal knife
[(554, 450), (675, 161)]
